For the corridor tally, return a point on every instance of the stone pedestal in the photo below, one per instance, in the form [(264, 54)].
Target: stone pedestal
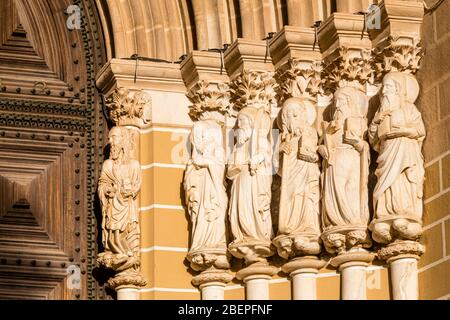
[(212, 283), (303, 272), (352, 266), (128, 293), (256, 278)]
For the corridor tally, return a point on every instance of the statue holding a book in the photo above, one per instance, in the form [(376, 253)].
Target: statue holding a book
[(396, 133), (345, 211)]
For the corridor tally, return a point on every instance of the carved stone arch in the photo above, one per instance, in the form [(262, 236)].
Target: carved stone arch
[(51, 148)]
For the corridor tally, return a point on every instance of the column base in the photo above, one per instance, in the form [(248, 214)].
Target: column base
[(212, 283), (256, 278), (352, 266), (127, 293), (302, 271)]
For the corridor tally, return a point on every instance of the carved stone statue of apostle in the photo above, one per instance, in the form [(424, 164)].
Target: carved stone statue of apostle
[(118, 188), (397, 132), (345, 211), (206, 194), (250, 171), (298, 225)]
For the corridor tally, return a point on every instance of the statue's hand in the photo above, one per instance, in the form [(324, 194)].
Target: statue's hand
[(402, 132), (110, 191), (335, 125), (286, 147), (379, 116), (323, 151), (127, 193), (358, 144), (311, 157)]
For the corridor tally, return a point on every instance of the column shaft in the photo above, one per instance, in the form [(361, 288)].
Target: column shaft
[(404, 279)]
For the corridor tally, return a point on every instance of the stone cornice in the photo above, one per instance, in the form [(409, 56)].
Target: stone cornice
[(203, 66), (246, 54), (149, 75)]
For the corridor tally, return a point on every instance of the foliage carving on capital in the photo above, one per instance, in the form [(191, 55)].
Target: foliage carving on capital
[(126, 107), (398, 55), (352, 68), (300, 80), (255, 89), (207, 97)]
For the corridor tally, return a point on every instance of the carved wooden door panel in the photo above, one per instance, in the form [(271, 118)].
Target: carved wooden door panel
[(51, 133)]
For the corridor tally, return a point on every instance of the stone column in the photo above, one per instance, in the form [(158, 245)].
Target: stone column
[(119, 188), (162, 153), (398, 56), (302, 271), (345, 216), (297, 61), (253, 87), (204, 182)]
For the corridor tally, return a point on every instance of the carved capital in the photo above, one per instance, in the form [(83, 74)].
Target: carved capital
[(401, 248), (353, 68), (126, 281), (127, 107), (300, 79), (257, 270), (207, 98), (306, 264), (341, 240), (255, 89), (400, 54), (355, 257), (212, 275)]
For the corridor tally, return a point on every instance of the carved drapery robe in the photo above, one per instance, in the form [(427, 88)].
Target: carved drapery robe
[(120, 211), (251, 175), (206, 195), (345, 179), (300, 196), (398, 194), (345, 208)]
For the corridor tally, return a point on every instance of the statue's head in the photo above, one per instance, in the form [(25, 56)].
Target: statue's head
[(245, 120), (350, 102), (119, 141), (399, 88), (297, 113)]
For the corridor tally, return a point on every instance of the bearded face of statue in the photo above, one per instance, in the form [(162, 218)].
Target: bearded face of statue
[(244, 129), (115, 140), (390, 99), (293, 119), (343, 108)]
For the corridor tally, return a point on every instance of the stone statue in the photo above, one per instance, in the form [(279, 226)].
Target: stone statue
[(396, 133), (250, 171), (118, 188), (206, 194), (345, 212), (298, 225)]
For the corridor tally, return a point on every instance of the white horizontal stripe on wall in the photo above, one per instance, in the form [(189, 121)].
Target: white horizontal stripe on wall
[(163, 165), (161, 206), (435, 223), (158, 289), (429, 163), (165, 129), (436, 196), (161, 248), (431, 265)]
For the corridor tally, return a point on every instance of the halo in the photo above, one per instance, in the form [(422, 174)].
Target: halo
[(308, 105), (410, 87)]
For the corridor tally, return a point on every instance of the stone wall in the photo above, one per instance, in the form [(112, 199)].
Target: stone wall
[(434, 77)]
